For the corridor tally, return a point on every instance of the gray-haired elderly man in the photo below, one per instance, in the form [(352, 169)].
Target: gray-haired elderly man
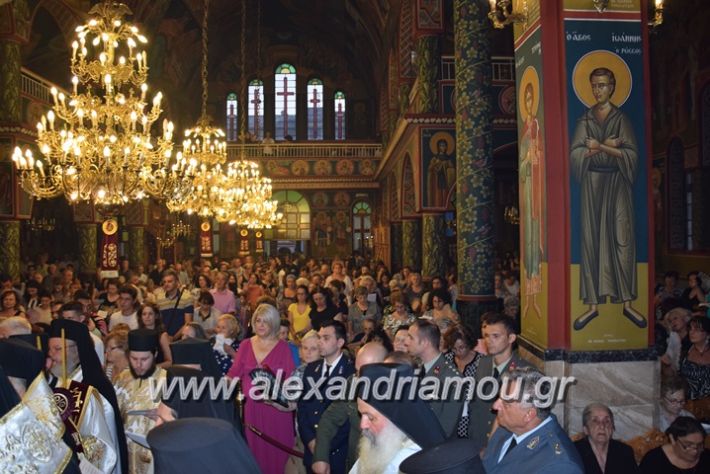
[(528, 434), (599, 452)]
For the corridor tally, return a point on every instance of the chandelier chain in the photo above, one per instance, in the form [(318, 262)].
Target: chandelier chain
[(242, 81), (204, 58)]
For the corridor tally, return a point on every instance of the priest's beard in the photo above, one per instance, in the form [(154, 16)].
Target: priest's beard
[(377, 451), (58, 371), (147, 374)]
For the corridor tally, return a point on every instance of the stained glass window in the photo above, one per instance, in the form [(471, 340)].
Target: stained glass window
[(285, 106), (314, 101), (255, 106), (339, 115), (232, 127)]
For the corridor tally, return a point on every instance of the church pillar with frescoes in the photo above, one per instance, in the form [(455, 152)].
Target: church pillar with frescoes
[(583, 187)]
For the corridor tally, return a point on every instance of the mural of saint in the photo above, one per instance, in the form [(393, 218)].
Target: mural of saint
[(441, 172), (604, 160), (532, 189)]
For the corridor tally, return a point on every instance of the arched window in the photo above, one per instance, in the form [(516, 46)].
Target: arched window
[(339, 115), (232, 127), (314, 99), (362, 227), (255, 106), (285, 108), (296, 223)]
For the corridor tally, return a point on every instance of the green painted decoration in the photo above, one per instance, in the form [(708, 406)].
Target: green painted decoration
[(428, 61), (10, 248), (411, 243), (88, 249), (136, 246), (10, 62), (433, 245), (474, 150)]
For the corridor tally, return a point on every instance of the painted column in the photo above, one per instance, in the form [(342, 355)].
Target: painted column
[(433, 245), (88, 249), (10, 248), (396, 246), (428, 66), (14, 32), (411, 243), (10, 62), (583, 121), (136, 246), (474, 165)]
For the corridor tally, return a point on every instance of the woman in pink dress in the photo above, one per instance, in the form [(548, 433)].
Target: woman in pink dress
[(265, 351)]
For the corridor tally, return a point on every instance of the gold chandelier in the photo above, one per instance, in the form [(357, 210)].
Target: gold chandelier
[(97, 143), (234, 193)]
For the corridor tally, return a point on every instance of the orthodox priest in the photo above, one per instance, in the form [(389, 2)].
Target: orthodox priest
[(134, 389), (86, 396), (31, 428)]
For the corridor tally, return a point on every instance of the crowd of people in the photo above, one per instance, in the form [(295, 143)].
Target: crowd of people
[(105, 344)]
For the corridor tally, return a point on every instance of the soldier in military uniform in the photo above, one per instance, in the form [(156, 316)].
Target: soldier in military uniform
[(423, 343), (133, 390), (341, 412), (332, 338), (528, 435), (499, 333)]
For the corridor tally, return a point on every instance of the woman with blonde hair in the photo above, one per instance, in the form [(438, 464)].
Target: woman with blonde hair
[(225, 341), (266, 352), (116, 346)]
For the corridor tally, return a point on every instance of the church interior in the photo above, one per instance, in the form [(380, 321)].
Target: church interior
[(556, 149)]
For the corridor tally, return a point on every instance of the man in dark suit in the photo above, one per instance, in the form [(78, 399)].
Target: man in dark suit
[(528, 436), (334, 368), (499, 334), (424, 338), (599, 452)]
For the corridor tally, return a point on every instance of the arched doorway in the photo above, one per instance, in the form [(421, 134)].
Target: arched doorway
[(294, 231), (362, 228)]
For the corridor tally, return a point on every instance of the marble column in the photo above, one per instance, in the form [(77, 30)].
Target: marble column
[(396, 246), (433, 245), (474, 164), (88, 247), (411, 244), (136, 246), (428, 66), (10, 248)]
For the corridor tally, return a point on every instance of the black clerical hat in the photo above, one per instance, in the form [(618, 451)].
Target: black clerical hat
[(456, 456), (20, 359), (39, 341), (410, 414), (204, 445), (195, 351), (73, 330), (199, 445), (8, 396), (141, 340)]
